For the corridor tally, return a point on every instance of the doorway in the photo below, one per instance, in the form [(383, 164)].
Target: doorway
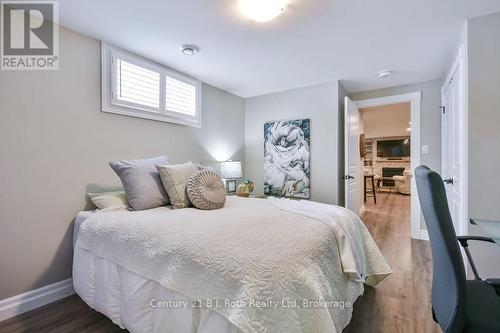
[(354, 163)]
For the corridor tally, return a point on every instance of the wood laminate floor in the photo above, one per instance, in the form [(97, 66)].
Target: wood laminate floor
[(401, 303)]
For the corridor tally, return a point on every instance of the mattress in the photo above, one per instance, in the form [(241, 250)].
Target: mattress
[(80, 217)]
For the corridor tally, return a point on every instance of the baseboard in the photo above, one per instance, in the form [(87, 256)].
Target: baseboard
[(15, 305), (424, 234), (362, 210)]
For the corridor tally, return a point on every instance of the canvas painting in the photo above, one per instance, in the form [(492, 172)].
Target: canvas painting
[(287, 158)]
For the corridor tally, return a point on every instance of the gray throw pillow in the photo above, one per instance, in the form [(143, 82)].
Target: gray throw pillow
[(141, 182), (174, 179), (206, 190)]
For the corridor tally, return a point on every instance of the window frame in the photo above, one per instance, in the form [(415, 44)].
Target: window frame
[(111, 104)]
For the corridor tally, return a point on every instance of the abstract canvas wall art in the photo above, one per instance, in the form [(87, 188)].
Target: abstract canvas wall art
[(287, 158)]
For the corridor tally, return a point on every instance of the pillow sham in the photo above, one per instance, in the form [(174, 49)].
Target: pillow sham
[(142, 182), (174, 179), (109, 200), (206, 190)]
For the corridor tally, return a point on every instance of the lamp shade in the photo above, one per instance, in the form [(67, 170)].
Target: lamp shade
[(230, 169)]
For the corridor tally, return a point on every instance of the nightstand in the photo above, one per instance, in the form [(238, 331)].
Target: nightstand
[(258, 196), (255, 196)]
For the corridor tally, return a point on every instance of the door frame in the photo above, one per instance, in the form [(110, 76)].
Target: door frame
[(459, 64), (414, 98)]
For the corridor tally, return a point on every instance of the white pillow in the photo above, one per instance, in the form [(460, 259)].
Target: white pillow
[(109, 200)]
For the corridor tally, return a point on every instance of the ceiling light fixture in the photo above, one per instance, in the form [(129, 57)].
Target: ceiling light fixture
[(262, 10), (190, 50), (384, 74)]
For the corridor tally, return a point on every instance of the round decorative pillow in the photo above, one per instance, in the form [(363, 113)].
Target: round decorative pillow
[(206, 190)]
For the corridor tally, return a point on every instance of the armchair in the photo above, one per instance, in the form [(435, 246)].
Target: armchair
[(403, 183)]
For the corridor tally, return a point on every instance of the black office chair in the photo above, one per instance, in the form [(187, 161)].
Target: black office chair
[(458, 305)]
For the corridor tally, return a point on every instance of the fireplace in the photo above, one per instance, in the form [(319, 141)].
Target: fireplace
[(389, 172)]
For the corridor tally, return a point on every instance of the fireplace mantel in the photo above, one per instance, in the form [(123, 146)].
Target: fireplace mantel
[(383, 160)]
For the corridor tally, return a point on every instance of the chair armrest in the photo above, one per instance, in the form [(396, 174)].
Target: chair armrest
[(464, 239), (495, 283), (463, 242)]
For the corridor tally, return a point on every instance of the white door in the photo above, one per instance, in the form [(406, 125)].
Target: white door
[(452, 140), (352, 159)]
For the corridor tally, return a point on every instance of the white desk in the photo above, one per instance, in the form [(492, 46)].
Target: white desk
[(491, 228)]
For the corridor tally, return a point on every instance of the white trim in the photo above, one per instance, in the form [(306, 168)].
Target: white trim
[(362, 209), (128, 109), (16, 305), (424, 234), (416, 149)]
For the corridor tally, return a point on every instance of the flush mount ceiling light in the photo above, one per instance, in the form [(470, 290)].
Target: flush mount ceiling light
[(190, 50), (384, 74), (262, 10)]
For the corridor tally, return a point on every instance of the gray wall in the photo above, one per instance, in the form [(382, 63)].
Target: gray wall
[(431, 116), (484, 134), (320, 104), (55, 145)]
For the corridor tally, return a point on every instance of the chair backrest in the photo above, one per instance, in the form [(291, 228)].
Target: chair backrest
[(448, 281)]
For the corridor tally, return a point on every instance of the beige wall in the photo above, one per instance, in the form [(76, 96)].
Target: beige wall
[(320, 104), (55, 146), (386, 120), (484, 134)]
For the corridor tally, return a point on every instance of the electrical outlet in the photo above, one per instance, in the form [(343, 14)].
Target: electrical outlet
[(425, 149)]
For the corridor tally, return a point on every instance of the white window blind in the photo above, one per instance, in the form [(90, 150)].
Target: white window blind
[(180, 97), (137, 85)]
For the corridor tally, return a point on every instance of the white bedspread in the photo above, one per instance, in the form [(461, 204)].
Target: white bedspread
[(246, 252), (347, 228)]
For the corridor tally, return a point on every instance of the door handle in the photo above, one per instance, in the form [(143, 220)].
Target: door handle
[(448, 181), (346, 177)]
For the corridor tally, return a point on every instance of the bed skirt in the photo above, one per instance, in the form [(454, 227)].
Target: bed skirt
[(139, 304)]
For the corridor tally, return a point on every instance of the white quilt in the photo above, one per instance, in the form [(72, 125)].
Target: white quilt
[(248, 251)]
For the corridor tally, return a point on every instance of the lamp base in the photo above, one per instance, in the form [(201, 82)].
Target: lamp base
[(231, 186)]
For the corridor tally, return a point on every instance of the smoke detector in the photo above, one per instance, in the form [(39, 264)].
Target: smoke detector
[(190, 50), (384, 74)]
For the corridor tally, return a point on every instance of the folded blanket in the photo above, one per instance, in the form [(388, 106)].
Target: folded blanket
[(248, 251), (347, 228)]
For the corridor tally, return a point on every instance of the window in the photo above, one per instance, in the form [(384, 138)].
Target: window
[(137, 87)]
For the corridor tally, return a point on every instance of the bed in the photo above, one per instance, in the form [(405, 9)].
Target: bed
[(255, 265)]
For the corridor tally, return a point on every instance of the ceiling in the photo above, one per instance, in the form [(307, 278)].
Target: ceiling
[(314, 41), (386, 120)]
